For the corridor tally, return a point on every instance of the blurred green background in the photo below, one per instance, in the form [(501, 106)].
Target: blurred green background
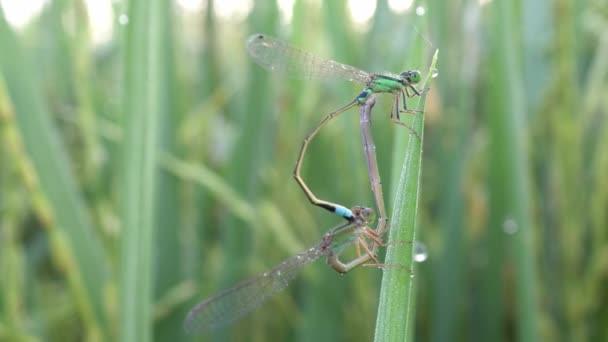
[(146, 163)]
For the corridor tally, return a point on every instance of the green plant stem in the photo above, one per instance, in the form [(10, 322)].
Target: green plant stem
[(144, 108), (397, 296)]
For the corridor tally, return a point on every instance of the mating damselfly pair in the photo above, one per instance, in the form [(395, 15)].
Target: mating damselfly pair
[(275, 55)]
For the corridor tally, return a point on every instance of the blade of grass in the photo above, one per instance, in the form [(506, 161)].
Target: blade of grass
[(75, 244), (460, 44), (253, 112), (13, 287), (396, 304), (167, 239), (510, 194), (144, 108)]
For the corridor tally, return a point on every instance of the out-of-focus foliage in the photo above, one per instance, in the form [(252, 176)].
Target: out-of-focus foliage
[(144, 171)]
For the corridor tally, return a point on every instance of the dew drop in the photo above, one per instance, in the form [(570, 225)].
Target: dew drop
[(420, 11), (123, 19), (434, 73), (420, 252), (510, 226)]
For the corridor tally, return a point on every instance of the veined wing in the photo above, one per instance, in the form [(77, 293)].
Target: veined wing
[(276, 55), (231, 304)]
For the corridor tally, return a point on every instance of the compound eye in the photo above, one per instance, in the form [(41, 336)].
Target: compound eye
[(415, 76), (412, 76), (368, 214), (364, 214)]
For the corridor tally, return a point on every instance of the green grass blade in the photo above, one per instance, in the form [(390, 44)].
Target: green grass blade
[(75, 243), (144, 108), (448, 158), (510, 202), (396, 304)]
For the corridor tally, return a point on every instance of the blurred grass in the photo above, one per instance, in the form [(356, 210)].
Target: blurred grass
[(448, 145), (60, 207), (510, 192), (143, 174), (146, 117)]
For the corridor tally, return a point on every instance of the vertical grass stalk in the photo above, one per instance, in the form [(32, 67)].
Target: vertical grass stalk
[(143, 112), (510, 189), (397, 297)]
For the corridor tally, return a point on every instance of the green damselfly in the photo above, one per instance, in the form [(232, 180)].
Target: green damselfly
[(236, 302), (276, 55), (233, 303)]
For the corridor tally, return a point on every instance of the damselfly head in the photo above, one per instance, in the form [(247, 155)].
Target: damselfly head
[(363, 215), (255, 41), (411, 76), (257, 36)]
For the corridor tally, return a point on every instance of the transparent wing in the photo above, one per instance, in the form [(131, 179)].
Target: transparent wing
[(276, 55), (231, 304)]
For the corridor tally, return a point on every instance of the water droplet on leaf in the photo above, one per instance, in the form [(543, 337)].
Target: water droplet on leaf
[(420, 252)]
